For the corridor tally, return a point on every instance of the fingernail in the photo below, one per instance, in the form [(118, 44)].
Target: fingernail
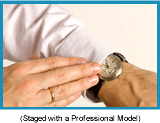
[(93, 79), (77, 95), (95, 67), (81, 61)]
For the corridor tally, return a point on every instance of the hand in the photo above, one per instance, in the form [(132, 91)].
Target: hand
[(24, 82), (135, 88)]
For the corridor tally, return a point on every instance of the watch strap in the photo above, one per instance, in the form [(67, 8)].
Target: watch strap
[(95, 89), (123, 59)]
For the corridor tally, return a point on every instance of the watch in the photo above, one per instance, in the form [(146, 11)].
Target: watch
[(111, 68)]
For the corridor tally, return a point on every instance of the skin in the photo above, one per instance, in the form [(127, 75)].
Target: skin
[(24, 82), (135, 88)]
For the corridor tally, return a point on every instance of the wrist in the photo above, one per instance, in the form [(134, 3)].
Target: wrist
[(113, 93)]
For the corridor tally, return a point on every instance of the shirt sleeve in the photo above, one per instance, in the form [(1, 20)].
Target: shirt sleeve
[(48, 30)]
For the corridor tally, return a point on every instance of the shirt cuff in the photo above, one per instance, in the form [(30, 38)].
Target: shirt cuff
[(83, 43)]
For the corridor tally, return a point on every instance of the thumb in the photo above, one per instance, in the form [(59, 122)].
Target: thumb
[(34, 56)]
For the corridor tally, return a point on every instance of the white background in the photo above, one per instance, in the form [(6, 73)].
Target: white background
[(146, 116), (131, 29)]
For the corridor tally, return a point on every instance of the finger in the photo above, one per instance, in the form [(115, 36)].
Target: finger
[(66, 74), (34, 56), (64, 102), (69, 89), (46, 64)]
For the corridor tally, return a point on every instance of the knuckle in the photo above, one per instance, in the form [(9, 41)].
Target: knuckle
[(60, 74), (62, 91), (18, 68), (84, 70), (51, 61), (72, 61), (24, 86), (27, 85)]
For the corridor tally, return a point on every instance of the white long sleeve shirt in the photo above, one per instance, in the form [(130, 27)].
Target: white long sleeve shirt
[(48, 30)]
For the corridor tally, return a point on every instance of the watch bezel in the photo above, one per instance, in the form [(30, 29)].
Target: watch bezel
[(117, 74)]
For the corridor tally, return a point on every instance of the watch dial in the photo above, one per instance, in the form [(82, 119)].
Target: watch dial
[(110, 66)]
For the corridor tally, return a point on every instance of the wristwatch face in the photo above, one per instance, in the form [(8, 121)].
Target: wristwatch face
[(111, 67)]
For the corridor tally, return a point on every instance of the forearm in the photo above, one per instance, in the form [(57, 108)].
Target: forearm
[(135, 88)]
